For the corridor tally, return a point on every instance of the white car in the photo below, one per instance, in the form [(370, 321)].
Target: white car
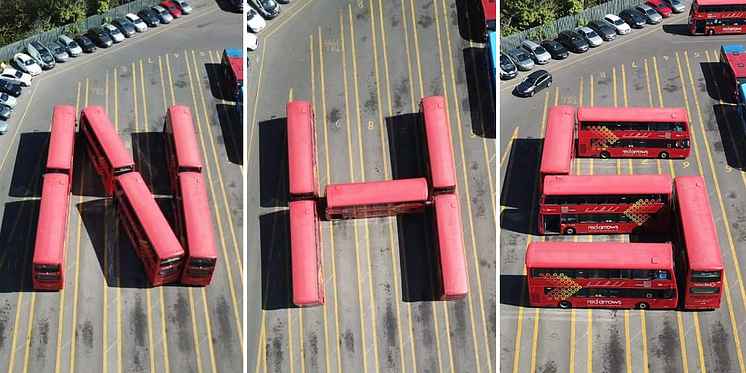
[(618, 24), (27, 64), (114, 32), (184, 6), (255, 22), (140, 26), (7, 100), (252, 42), (16, 77)]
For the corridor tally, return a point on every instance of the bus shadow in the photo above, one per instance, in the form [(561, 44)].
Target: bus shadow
[(17, 240), (719, 91), (418, 258), (277, 283), (677, 29), (33, 148), (149, 152), (481, 96), (519, 191), (232, 131), (273, 165), (511, 287), (217, 79), (86, 181), (731, 135), (650, 237), (469, 20), (405, 147), (226, 5)]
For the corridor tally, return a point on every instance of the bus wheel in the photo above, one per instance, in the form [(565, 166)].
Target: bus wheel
[(663, 155), (642, 306), (710, 32), (570, 231), (564, 305), (605, 155), (637, 230)]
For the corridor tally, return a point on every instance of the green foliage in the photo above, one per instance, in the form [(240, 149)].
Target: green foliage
[(582, 22), (519, 15)]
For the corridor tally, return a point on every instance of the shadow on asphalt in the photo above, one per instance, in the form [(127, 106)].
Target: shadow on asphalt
[(481, 95), (510, 290), (84, 173), (677, 29), (277, 284), (149, 152), (273, 164), (17, 239), (418, 258), (232, 130), (405, 147), (469, 20), (518, 190), (31, 159)]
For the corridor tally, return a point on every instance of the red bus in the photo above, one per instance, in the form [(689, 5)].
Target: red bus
[(376, 198), (51, 233), (450, 243), (488, 9), (195, 229), (733, 63), (301, 130), (698, 260), (717, 17), (605, 204), (437, 143), (62, 141), (104, 147), (233, 63), (633, 132), (559, 143), (306, 255), (601, 275), (152, 238), (182, 149)]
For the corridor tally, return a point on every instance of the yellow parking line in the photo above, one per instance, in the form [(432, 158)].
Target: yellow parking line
[(166, 364), (194, 331), (510, 144)]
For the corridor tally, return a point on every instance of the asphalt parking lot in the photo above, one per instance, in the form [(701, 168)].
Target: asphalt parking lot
[(107, 319), (659, 66), (365, 65)]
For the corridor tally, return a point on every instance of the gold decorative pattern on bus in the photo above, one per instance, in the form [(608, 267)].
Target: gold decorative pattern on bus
[(605, 137), (634, 214), (563, 286)]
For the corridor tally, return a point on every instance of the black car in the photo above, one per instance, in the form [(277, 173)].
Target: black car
[(633, 18), (86, 44), (5, 112), (573, 41), (10, 88), (268, 9), (603, 29), (100, 37), (557, 50), (533, 83), (125, 26), (149, 16)]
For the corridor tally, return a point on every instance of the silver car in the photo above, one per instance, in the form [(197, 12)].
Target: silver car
[(676, 5), (537, 52), (184, 6), (70, 45), (114, 32), (593, 39), (650, 15), (163, 15), (7, 100), (521, 59), (4, 113), (3, 127), (59, 53)]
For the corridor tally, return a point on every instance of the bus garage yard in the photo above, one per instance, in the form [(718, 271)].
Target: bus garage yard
[(107, 318), (365, 70), (668, 69)]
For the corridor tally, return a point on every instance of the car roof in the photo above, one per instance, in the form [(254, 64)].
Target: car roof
[(611, 16), (64, 37), (530, 43), (538, 74), (643, 6)]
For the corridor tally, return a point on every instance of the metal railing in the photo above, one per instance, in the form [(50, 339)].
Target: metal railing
[(8, 51), (550, 31)]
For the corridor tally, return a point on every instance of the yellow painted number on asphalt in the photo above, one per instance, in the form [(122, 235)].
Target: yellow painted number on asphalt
[(98, 91), (728, 168), (201, 53), (332, 45), (124, 69), (360, 4), (602, 74), (127, 144), (634, 64), (686, 164), (644, 161), (370, 125), (665, 57), (150, 60), (695, 54), (569, 99), (176, 55)]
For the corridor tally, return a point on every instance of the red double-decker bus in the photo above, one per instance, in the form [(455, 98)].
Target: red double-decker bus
[(152, 238), (306, 255), (182, 148), (601, 275), (62, 141), (605, 204), (450, 243), (51, 233), (301, 130), (195, 229), (104, 147), (559, 143), (437, 144), (376, 198), (633, 132), (488, 9), (698, 258), (712, 17), (733, 64)]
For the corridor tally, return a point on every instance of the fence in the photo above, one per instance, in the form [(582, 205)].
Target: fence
[(7, 51), (551, 30)]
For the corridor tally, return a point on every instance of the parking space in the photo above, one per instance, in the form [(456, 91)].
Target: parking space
[(365, 65), (658, 66), (107, 318)]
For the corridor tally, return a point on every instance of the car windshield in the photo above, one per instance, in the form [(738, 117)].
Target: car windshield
[(650, 12), (530, 80), (522, 56), (554, 46), (592, 34), (619, 22), (661, 6), (4, 96), (28, 62), (17, 74), (58, 50), (604, 27), (72, 45), (540, 50), (505, 63), (136, 21), (576, 39)]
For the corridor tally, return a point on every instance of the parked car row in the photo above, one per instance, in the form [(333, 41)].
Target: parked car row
[(39, 57), (579, 40), (257, 16)]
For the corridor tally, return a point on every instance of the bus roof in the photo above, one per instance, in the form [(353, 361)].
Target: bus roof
[(52, 225), (599, 255), (234, 52), (439, 148), (62, 138), (110, 141), (303, 251), (556, 158), (235, 59), (732, 48), (451, 244), (200, 234), (737, 62), (490, 9), (700, 235), (300, 147), (185, 139), (719, 2), (631, 114), (570, 185), (149, 214), (376, 192)]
